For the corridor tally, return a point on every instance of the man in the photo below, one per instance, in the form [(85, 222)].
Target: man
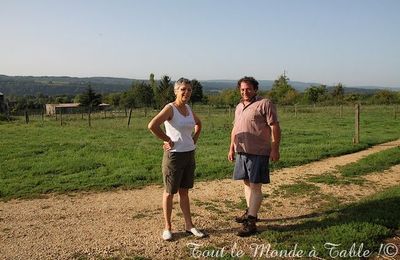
[(255, 139)]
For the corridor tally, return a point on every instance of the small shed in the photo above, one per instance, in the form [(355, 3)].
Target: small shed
[(51, 109), (104, 106)]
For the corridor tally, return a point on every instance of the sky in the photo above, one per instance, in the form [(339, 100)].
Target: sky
[(354, 42)]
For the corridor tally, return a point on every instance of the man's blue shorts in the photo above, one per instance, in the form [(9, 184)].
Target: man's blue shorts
[(254, 168)]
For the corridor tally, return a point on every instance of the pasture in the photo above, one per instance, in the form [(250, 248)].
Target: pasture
[(43, 156)]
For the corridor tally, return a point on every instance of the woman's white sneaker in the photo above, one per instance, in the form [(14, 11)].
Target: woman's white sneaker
[(195, 232), (167, 235)]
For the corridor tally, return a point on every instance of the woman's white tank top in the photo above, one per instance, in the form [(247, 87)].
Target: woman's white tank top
[(180, 129)]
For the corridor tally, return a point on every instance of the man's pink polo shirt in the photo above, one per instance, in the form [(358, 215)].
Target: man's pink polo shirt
[(252, 131)]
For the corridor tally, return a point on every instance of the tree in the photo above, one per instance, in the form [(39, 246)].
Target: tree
[(21, 103), (215, 100), (143, 94), (281, 91), (128, 99), (230, 97), (385, 97), (314, 94), (197, 91), (41, 100), (165, 91), (352, 97), (338, 92), (77, 98), (89, 99), (290, 97), (113, 99), (153, 86)]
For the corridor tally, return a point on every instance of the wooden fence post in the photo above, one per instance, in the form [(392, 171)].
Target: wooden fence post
[(8, 115), (26, 116), (295, 110), (395, 111), (89, 116), (341, 111), (61, 118), (129, 118), (357, 124)]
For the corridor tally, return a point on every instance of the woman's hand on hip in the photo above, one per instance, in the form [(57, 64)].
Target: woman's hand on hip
[(168, 145)]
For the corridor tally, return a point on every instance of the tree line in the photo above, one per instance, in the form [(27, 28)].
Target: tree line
[(156, 93), (282, 93), (152, 93)]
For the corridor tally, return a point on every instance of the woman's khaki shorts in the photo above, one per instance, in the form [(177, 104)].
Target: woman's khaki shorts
[(178, 170)]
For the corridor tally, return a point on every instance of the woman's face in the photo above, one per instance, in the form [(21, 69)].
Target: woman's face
[(184, 92)]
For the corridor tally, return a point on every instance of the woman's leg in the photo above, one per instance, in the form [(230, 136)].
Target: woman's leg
[(185, 207), (167, 209)]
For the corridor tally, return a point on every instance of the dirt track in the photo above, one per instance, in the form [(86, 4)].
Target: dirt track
[(128, 223)]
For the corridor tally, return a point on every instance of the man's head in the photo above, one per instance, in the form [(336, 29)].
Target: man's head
[(248, 87)]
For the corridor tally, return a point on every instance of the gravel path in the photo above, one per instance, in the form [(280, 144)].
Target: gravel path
[(128, 223)]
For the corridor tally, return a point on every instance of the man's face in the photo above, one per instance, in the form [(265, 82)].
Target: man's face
[(247, 91)]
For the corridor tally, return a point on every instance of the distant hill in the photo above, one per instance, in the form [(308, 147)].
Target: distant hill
[(63, 85), (264, 84), (219, 85), (28, 85)]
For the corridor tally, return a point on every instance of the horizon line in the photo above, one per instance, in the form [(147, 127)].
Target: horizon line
[(117, 77)]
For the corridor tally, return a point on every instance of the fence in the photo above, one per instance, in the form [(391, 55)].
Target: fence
[(207, 112)]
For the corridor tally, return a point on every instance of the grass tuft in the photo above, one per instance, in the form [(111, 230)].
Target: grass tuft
[(377, 162), (297, 189)]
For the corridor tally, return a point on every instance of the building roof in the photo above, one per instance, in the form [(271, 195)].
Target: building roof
[(65, 105), (68, 105), (71, 105)]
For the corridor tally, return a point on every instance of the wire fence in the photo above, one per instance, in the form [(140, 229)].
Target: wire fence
[(203, 111)]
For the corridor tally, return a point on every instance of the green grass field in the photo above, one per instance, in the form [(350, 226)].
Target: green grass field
[(42, 157), (363, 225)]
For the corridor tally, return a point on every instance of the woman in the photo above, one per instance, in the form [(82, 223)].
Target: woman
[(178, 163)]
